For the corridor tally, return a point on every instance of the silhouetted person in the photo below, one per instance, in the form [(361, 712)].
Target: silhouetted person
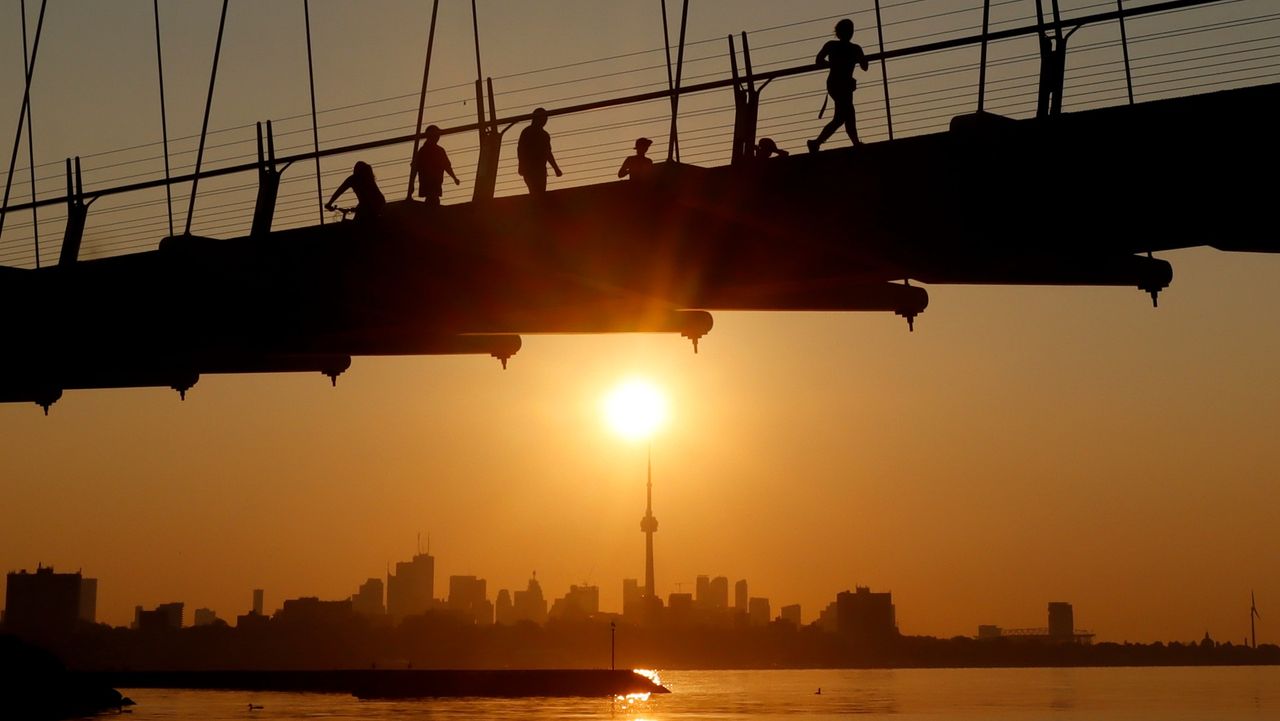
[(841, 56), (766, 148), (429, 165), (637, 166), (533, 152), (369, 200)]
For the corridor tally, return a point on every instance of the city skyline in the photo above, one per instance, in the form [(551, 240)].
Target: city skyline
[(1023, 444)]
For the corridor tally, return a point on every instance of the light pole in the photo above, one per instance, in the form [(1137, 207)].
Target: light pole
[(613, 644)]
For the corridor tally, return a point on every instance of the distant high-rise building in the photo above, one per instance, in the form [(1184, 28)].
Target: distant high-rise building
[(44, 604), (580, 602), (89, 600), (368, 598), (165, 617), (204, 617), (529, 604), (864, 616), (1062, 622), (791, 614), (829, 618), (719, 590), (740, 598), (257, 601), (702, 592), (632, 599), (411, 589), (468, 595), (504, 614), (758, 612), (988, 632)]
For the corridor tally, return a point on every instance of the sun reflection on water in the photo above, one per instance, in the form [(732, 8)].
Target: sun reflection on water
[(640, 696), (650, 674)]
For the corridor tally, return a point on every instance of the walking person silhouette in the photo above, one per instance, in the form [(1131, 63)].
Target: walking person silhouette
[(429, 165), (840, 56), (362, 182), (533, 151)]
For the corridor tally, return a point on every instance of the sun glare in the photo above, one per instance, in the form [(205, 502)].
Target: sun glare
[(635, 409)]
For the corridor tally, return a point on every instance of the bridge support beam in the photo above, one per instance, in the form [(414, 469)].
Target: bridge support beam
[(746, 104), (490, 146), (264, 208), (1053, 62), (77, 214)]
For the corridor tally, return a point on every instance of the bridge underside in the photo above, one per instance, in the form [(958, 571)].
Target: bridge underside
[(1078, 199)]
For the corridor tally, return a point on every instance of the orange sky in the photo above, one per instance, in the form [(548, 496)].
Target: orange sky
[(1023, 445)]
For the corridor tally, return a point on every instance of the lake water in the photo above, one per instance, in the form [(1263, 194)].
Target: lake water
[(1096, 694)]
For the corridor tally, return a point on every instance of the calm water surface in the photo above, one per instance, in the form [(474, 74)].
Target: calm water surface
[(1112, 694)]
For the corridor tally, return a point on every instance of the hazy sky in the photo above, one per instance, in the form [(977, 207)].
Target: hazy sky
[(1023, 445)]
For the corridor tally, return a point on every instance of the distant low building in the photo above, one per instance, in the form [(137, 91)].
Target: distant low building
[(368, 598), (581, 602), (866, 617), (468, 596), (758, 612), (1061, 629), (987, 632), (204, 617), (791, 614), (680, 609), (1062, 621), (89, 600), (529, 604), (165, 617), (311, 612), (46, 604)]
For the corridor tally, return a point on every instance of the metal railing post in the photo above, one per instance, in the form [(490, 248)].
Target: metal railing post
[(1124, 45), (982, 62), (884, 70)]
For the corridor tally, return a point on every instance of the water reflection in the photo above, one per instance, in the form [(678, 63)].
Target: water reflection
[(1117, 694)]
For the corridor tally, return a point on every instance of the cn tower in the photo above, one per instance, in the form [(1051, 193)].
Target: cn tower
[(648, 526)]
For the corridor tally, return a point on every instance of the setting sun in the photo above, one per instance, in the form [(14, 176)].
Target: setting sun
[(635, 409)]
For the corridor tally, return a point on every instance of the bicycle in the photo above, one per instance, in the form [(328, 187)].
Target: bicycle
[(344, 211)]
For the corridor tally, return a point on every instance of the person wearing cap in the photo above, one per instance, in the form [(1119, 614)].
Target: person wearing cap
[(533, 151), (430, 164), (637, 166), (766, 149)]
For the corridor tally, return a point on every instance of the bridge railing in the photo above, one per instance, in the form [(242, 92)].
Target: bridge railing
[(932, 52)]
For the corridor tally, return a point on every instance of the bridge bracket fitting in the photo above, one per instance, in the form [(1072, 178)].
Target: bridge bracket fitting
[(911, 319), (264, 208), (694, 324)]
